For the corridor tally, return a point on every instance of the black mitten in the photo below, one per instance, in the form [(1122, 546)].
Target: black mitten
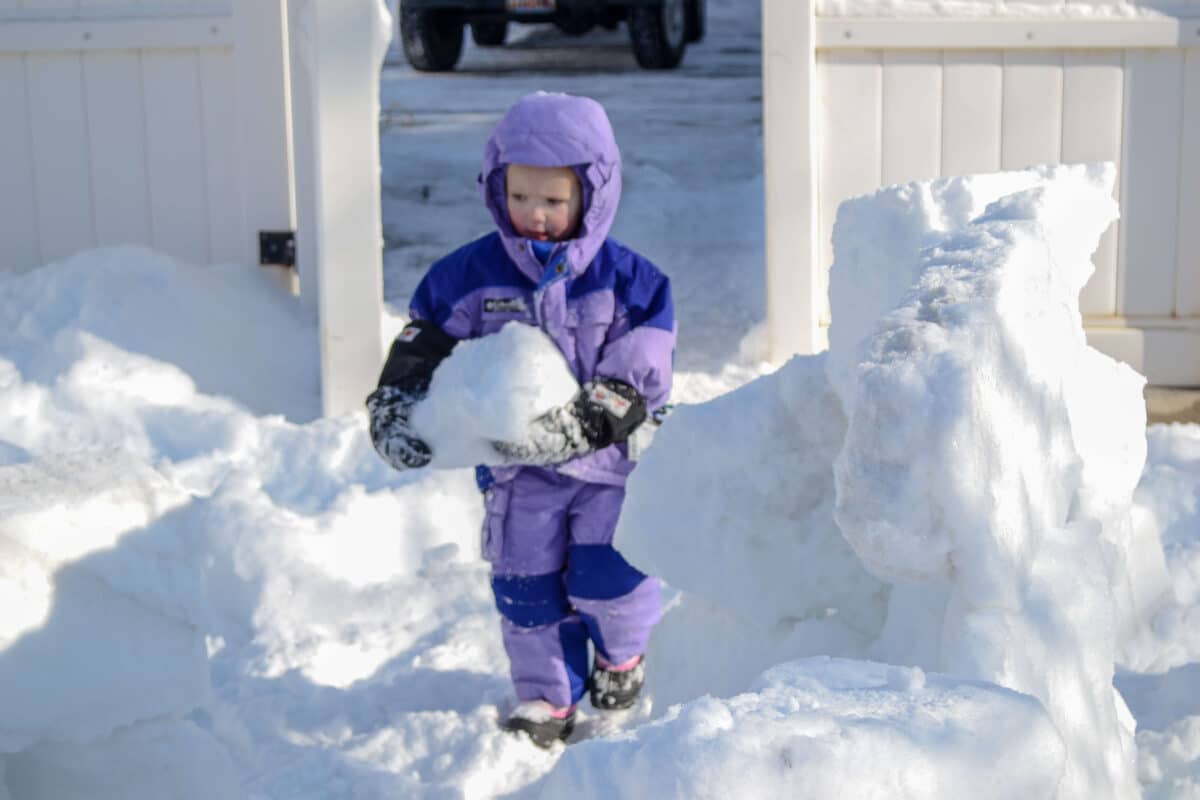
[(389, 408), (606, 411), (414, 355)]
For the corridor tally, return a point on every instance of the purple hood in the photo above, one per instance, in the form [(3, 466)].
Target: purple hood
[(555, 130)]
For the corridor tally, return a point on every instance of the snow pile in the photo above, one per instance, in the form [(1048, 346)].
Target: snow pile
[(91, 573), (992, 454), (488, 390), (822, 728)]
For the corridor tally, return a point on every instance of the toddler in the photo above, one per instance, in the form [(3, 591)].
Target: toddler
[(551, 179)]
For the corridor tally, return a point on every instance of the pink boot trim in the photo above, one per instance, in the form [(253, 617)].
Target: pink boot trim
[(562, 713), (625, 666)]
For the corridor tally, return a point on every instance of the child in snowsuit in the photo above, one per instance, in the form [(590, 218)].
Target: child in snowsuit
[(551, 179)]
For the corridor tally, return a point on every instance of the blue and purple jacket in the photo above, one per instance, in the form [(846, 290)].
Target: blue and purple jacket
[(607, 308)]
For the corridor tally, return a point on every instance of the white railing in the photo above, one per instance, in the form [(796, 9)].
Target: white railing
[(857, 102)]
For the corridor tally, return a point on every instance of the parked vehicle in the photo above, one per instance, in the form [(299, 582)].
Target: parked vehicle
[(431, 31)]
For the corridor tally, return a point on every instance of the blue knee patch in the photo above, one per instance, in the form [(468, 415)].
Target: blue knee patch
[(599, 572), (531, 600)]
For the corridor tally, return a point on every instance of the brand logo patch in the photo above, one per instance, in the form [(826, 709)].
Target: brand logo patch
[(409, 333), (610, 401), (504, 305)]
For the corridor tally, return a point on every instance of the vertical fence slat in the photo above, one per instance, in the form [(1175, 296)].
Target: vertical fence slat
[(217, 87), (849, 91), (18, 222), (1031, 123), (1187, 280), (912, 116), (264, 132), (1092, 106), (175, 154), (58, 124), (972, 86), (116, 127), (1146, 283)]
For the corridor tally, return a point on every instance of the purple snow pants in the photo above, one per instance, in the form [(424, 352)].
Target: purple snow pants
[(559, 583)]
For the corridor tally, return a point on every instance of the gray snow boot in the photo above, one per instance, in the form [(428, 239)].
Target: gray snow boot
[(615, 690), (540, 722)]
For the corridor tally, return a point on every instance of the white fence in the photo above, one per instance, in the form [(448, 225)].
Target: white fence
[(194, 126), (857, 102)]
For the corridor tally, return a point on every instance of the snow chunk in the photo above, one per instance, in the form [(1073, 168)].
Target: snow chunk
[(829, 728), (490, 389)]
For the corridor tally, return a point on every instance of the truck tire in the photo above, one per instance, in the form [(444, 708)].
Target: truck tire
[(432, 38), (695, 20), (658, 34), (489, 32)]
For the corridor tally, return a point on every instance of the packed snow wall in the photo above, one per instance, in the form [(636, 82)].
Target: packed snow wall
[(983, 460)]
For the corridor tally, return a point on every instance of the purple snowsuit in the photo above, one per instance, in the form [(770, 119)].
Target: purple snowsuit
[(557, 579)]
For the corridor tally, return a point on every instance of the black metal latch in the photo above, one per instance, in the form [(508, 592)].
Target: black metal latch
[(277, 247)]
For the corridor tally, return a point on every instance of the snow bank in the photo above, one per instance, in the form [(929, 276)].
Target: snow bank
[(489, 389), (984, 467), (226, 327), (991, 453), (150, 533), (821, 728)]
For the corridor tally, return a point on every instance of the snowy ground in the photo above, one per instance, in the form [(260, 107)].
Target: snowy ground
[(281, 615)]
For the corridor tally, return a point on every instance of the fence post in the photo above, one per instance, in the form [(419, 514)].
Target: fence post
[(340, 47), (790, 178)]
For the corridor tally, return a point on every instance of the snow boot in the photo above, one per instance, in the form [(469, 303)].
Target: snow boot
[(614, 688), (543, 723)]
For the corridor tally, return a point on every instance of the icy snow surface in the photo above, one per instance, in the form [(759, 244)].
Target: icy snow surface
[(488, 390)]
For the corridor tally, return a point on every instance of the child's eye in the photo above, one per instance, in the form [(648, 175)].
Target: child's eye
[(520, 198)]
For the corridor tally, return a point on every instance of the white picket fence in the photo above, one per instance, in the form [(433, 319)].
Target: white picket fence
[(194, 126), (853, 103)]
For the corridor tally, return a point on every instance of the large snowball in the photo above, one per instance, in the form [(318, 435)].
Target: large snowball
[(489, 389)]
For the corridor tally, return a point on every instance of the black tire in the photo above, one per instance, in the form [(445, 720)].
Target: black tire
[(432, 38), (489, 32), (659, 34), (694, 19)]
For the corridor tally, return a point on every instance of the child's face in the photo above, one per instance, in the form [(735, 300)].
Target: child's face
[(544, 203)]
